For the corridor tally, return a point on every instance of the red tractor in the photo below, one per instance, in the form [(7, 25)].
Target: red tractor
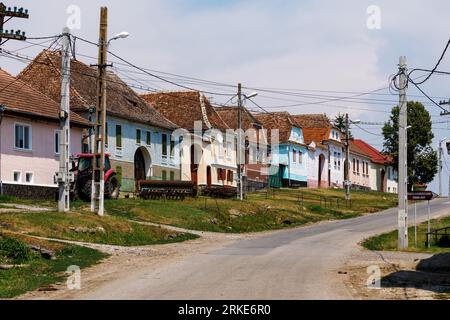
[(82, 186)]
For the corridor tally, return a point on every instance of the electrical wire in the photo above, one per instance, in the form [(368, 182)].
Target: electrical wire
[(435, 67)]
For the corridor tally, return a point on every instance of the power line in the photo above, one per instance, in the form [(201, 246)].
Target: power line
[(435, 67)]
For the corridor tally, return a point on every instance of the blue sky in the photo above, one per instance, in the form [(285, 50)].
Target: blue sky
[(304, 45)]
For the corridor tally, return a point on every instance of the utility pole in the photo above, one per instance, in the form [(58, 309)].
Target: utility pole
[(98, 159), (64, 177), (403, 159), (347, 158), (445, 113), (440, 168), (240, 192), (9, 13)]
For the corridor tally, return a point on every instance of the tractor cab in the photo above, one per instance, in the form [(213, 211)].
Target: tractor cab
[(82, 168)]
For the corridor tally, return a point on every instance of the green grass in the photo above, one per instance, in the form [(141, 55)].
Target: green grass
[(260, 211), (388, 241), (87, 227), (38, 271), (30, 202)]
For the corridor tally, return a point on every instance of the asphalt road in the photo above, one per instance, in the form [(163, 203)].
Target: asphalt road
[(299, 263)]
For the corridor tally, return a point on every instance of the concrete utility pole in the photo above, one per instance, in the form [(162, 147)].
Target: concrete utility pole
[(240, 192), (347, 158), (98, 172), (64, 177), (403, 159)]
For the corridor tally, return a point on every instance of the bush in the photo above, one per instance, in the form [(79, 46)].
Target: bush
[(15, 250)]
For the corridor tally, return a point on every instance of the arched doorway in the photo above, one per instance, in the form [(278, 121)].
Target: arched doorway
[(321, 167), (142, 164), (196, 153), (382, 182)]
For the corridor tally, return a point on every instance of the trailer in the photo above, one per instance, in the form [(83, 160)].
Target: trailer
[(170, 190)]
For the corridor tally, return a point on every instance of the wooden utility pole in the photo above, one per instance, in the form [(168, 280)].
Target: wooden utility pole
[(347, 158), (403, 158), (11, 13), (98, 160), (64, 177), (240, 193)]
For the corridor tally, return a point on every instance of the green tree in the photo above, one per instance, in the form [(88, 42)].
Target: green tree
[(422, 159), (339, 122)]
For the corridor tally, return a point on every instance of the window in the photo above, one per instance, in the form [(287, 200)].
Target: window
[(300, 157), (119, 174), (164, 175), (357, 166), (22, 137), (230, 176), (172, 148), (57, 141), (294, 156), (367, 168), (354, 165), (229, 148), (172, 176), (164, 144), (118, 136), (106, 134), (29, 177), (148, 141), (138, 136), (17, 176)]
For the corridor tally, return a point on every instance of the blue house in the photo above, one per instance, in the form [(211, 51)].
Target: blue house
[(288, 158), (138, 138)]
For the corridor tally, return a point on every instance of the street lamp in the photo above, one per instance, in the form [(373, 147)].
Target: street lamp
[(121, 35), (251, 96)]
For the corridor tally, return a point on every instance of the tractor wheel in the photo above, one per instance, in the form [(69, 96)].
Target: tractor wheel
[(112, 188)]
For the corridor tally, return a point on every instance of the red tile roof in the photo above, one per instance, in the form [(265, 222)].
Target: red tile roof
[(282, 121), (230, 116), (354, 148), (122, 102), (19, 98), (184, 108), (375, 155), (316, 127)]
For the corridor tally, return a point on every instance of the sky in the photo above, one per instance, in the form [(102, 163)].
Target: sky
[(319, 51)]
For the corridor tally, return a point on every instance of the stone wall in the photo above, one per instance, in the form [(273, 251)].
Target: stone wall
[(29, 191)]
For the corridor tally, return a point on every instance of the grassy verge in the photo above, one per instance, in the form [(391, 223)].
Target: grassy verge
[(14, 200), (31, 271), (260, 211), (87, 227), (388, 241)]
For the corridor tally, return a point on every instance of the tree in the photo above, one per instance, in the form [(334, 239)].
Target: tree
[(339, 122), (422, 159)]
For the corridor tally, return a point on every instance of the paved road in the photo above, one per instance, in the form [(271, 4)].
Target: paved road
[(299, 263)]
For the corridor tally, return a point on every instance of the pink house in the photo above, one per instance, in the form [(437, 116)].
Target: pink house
[(29, 139)]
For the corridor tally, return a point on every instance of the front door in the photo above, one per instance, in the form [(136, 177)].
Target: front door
[(194, 166), (139, 166)]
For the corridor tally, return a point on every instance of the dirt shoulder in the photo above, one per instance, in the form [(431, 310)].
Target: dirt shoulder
[(399, 278), (125, 260)]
